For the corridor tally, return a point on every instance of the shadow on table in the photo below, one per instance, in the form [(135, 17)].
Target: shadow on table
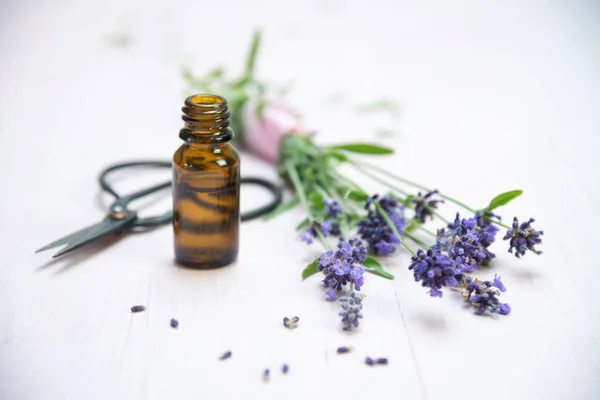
[(432, 321)]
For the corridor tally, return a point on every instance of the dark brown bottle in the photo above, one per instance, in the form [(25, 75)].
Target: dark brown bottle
[(206, 186)]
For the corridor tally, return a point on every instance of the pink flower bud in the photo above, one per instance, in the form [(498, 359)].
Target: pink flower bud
[(263, 132)]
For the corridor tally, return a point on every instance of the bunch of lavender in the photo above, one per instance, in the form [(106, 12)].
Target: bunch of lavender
[(331, 202)]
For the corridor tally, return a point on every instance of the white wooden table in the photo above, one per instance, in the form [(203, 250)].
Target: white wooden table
[(494, 96)]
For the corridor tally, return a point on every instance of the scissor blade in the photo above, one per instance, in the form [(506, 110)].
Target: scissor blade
[(70, 238), (107, 226)]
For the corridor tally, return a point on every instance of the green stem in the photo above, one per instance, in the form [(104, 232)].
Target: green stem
[(249, 70), (438, 215), (377, 179), (322, 191), (427, 231), (416, 240), (393, 228), (322, 238), (418, 186), (293, 174)]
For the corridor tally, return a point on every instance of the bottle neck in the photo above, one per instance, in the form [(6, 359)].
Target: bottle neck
[(206, 120)]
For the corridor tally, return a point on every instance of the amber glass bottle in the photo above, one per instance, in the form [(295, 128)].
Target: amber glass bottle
[(206, 186)]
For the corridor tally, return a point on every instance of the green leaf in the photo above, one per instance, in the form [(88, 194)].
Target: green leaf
[(503, 199), (373, 266), (339, 156), (357, 195), (311, 269), (316, 200), (283, 207), (363, 148), (303, 224)]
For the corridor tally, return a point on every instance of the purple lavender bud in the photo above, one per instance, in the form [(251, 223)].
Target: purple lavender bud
[(331, 295), (344, 350), (285, 368), (498, 283), (381, 361), (332, 208), (266, 375), (225, 355), (369, 361), (174, 323), (291, 323), (136, 309), (523, 237), (424, 205), (504, 309)]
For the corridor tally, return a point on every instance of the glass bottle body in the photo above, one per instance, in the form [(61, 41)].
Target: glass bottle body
[(206, 201)]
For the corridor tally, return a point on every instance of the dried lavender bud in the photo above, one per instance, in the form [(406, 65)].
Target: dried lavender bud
[(343, 350), (369, 361), (174, 323), (381, 361), (285, 368), (266, 375), (138, 308), (225, 355), (291, 323)]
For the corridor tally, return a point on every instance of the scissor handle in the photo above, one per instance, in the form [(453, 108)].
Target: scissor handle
[(132, 196)]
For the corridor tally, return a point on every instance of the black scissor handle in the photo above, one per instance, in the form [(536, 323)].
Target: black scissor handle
[(126, 199), (122, 201)]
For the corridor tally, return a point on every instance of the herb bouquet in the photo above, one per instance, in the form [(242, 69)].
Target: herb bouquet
[(369, 226)]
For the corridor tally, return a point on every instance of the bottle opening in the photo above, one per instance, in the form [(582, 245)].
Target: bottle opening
[(206, 100)]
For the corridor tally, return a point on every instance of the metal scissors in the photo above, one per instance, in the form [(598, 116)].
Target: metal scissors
[(120, 218)]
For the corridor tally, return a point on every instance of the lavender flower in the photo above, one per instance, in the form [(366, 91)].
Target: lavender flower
[(225, 355), (375, 230), (332, 208), (466, 242), (434, 270), (424, 204), (484, 296), (381, 361), (369, 361), (331, 295), (285, 368), (266, 375), (174, 323), (523, 237), (291, 323), (343, 266), (310, 233), (136, 309), (344, 350), (351, 310)]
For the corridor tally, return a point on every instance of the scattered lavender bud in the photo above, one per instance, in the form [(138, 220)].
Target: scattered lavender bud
[(343, 350), (266, 375), (291, 323), (369, 361), (225, 355), (174, 323), (285, 368), (138, 309), (381, 361)]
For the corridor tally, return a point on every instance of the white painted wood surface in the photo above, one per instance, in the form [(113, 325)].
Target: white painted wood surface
[(494, 96)]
